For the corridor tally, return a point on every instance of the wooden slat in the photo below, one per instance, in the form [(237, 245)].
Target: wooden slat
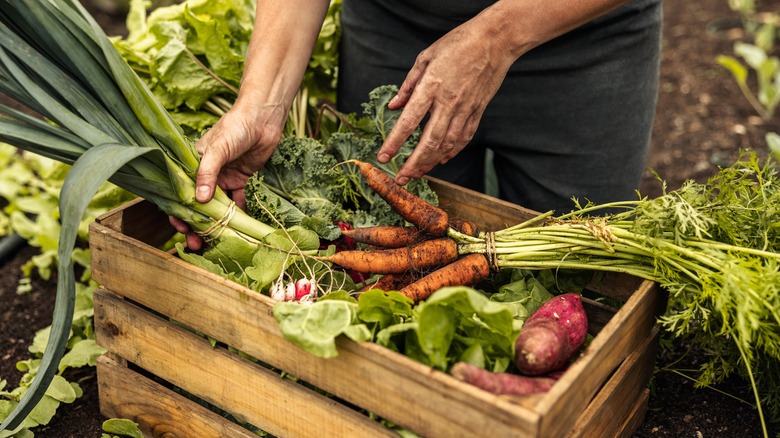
[(140, 219), (621, 336), (614, 404), (243, 319), (158, 410), (485, 211), (410, 394), (636, 417), (257, 395)]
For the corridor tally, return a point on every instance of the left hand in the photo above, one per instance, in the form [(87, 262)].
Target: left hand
[(454, 80)]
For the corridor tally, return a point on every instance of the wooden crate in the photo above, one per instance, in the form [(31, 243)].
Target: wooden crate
[(153, 308)]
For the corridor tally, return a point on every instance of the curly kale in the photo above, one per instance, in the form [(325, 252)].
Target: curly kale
[(307, 182)]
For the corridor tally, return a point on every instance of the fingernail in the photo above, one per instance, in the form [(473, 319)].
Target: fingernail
[(203, 193), (402, 180), (383, 158), (394, 98)]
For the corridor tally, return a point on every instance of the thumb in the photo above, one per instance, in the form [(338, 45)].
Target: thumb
[(208, 171)]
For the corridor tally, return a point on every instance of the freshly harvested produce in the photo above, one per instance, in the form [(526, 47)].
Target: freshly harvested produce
[(465, 271), (390, 282), (715, 247), (466, 227), (501, 383), (422, 255), (92, 111), (425, 216), (551, 336), (385, 236)]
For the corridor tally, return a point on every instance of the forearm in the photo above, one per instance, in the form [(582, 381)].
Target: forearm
[(284, 34), (521, 25)]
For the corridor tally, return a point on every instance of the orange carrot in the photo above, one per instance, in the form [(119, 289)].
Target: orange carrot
[(465, 227), (390, 282), (425, 254), (385, 236), (465, 271), (423, 215)]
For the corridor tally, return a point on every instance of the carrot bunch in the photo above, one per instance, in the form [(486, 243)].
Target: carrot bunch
[(419, 259)]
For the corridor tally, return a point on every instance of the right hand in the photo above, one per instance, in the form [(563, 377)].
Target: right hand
[(236, 147)]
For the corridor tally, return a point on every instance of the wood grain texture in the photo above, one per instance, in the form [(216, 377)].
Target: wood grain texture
[(255, 394), (390, 385), (614, 403), (159, 411)]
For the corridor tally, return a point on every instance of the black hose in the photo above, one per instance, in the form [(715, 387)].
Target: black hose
[(9, 246)]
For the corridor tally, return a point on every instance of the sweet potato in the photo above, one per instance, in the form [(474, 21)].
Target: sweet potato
[(551, 336), (500, 383)]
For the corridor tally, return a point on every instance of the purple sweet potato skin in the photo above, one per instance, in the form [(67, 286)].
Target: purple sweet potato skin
[(500, 383), (551, 336)]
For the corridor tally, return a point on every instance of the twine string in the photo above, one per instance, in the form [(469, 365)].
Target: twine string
[(490, 250), (214, 232)]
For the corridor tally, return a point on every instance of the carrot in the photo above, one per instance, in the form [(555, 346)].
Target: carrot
[(465, 227), (425, 254), (500, 383), (551, 336), (423, 215), (390, 282), (385, 236), (465, 271)]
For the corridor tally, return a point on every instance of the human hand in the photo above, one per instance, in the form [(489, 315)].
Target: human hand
[(236, 147), (453, 80)]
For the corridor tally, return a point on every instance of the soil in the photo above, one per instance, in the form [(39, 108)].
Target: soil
[(702, 121)]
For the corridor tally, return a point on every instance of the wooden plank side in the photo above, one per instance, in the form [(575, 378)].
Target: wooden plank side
[(257, 395), (158, 410), (621, 336), (614, 404), (636, 417), (141, 219), (487, 212), (243, 319)]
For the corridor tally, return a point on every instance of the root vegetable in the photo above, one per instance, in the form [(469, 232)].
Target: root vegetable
[(551, 336), (465, 271), (466, 227), (390, 282), (500, 383), (423, 215), (385, 236), (426, 254)]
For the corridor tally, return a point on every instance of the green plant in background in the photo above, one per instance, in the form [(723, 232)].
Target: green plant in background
[(757, 57), (192, 56), (30, 185)]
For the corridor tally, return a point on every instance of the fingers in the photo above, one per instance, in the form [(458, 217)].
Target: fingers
[(406, 124), (443, 137), (239, 197), (193, 241), (178, 224), (214, 158), (406, 89)]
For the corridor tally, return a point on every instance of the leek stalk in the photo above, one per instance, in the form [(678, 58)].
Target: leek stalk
[(94, 112)]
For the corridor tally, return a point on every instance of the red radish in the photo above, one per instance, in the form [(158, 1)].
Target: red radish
[(500, 383), (552, 335)]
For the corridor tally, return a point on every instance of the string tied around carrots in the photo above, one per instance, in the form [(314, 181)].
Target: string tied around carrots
[(490, 250)]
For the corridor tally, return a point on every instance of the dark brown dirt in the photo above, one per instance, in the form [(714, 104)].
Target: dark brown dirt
[(702, 121)]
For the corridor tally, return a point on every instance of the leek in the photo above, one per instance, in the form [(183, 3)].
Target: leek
[(94, 112)]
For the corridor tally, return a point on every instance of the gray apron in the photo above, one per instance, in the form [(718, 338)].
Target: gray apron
[(573, 117)]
